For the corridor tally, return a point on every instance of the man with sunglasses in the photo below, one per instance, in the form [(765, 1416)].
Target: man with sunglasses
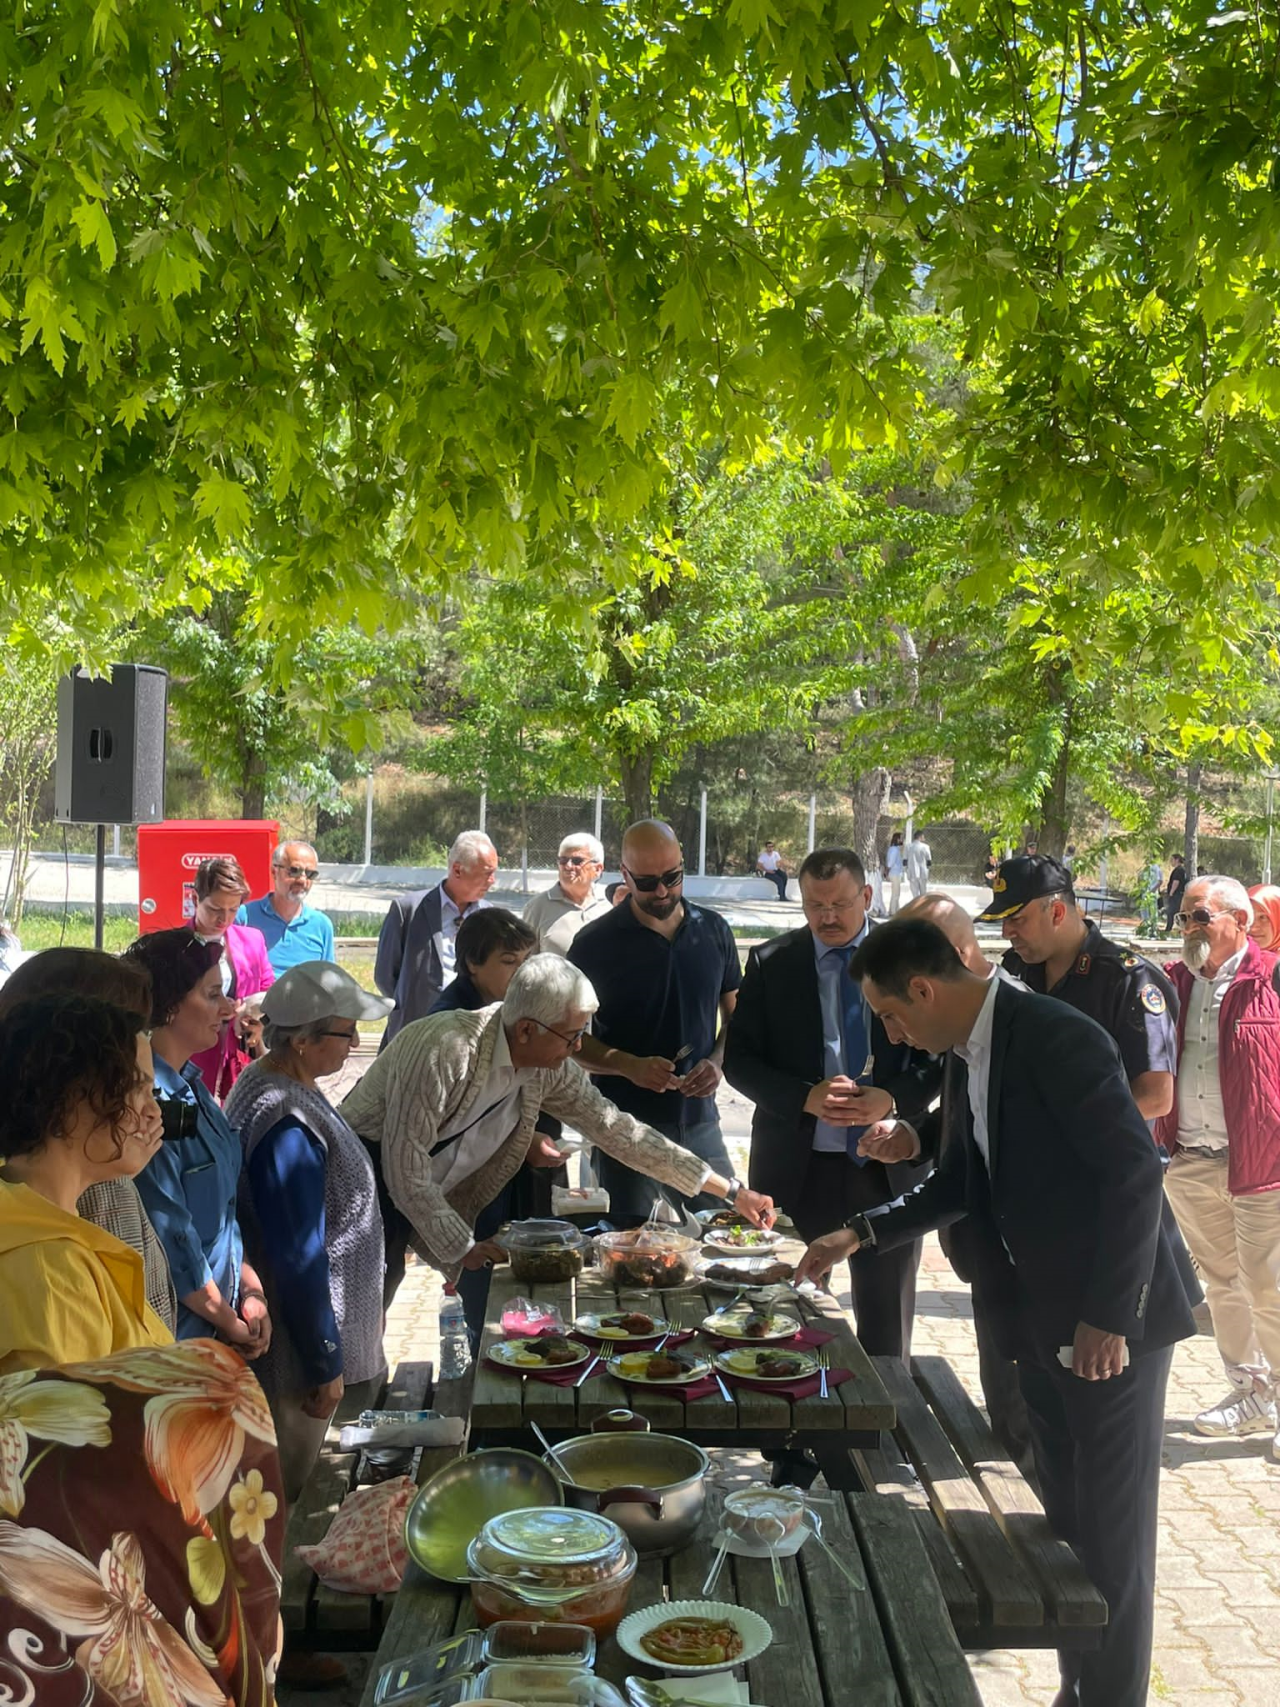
[(293, 930), (1223, 1133), (559, 913), (667, 975)]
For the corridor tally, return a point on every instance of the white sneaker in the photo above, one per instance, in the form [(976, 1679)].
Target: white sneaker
[(1239, 1413)]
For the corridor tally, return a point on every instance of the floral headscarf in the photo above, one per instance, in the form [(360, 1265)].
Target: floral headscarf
[(1266, 899), (141, 1531)]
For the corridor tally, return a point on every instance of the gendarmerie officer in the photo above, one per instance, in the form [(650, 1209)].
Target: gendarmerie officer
[(1058, 953)]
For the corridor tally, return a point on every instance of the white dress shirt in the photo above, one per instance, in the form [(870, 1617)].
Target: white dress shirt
[(1202, 1120), (975, 1052), (451, 916), (466, 1145)]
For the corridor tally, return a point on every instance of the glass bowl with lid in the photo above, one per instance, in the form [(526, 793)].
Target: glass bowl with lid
[(549, 1563), (546, 1251)]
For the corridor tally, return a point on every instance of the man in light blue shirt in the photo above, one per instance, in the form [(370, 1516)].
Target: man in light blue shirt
[(294, 932)]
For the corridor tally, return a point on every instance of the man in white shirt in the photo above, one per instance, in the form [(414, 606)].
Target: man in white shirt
[(770, 864), (1224, 1135), (559, 913), (919, 859), (1056, 1174)]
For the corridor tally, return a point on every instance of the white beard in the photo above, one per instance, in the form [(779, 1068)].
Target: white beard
[(1195, 951)]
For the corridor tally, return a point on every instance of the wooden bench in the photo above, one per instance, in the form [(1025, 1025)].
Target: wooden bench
[(315, 1616), (1008, 1581)]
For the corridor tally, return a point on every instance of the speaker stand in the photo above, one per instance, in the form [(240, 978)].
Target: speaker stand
[(99, 881)]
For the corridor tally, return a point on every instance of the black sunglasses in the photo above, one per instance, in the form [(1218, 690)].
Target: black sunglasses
[(647, 885), (1197, 916), (310, 872)]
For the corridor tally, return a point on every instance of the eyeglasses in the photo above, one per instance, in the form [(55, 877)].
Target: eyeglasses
[(1197, 916), (352, 1036), (646, 885), (574, 859), (307, 872), (818, 908), (572, 1038)]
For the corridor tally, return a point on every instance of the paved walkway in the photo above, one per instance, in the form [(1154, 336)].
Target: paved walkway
[(1218, 1585)]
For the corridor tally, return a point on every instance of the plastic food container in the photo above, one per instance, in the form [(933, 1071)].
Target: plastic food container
[(546, 1251), (549, 1564), (646, 1257), (514, 1641)]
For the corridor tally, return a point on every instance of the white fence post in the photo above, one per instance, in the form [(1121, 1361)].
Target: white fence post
[(702, 835), (115, 844), (813, 820), (368, 818), (484, 807), (599, 809)]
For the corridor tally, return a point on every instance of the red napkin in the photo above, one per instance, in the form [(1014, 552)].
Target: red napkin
[(562, 1377), (700, 1389), (804, 1387), (806, 1338)]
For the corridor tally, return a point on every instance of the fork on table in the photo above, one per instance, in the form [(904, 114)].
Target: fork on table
[(824, 1363)]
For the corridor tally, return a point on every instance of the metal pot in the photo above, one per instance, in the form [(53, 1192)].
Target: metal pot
[(653, 1486)]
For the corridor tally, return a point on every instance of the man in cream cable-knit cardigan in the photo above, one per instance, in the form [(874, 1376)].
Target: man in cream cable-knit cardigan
[(451, 1105)]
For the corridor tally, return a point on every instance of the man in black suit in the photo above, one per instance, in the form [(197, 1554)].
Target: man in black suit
[(1061, 1186), (800, 1045), (416, 956)]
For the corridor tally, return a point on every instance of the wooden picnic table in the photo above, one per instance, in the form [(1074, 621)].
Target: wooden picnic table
[(889, 1646), (854, 1412)]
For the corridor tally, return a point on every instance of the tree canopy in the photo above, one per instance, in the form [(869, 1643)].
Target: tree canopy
[(374, 292)]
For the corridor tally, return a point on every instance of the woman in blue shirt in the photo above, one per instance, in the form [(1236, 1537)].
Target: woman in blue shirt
[(189, 1187)]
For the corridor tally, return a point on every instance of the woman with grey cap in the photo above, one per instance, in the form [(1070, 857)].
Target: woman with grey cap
[(309, 1209)]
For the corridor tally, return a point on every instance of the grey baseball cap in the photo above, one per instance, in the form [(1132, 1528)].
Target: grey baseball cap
[(317, 989)]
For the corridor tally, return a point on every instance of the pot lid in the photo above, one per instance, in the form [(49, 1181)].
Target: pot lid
[(552, 1534)]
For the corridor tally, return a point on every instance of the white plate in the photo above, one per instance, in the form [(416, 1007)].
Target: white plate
[(589, 1323), (743, 1267), (755, 1632), (699, 1368), (727, 1324), (724, 1362), (515, 1354), (762, 1239)]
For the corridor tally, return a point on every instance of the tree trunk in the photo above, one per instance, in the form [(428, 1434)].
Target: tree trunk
[(253, 788), (869, 796), (1191, 824), (637, 784), (1055, 823)]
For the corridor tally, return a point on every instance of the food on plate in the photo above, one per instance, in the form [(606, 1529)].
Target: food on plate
[(646, 1257), (693, 1641), (725, 1218), (768, 1274), (743, 1238), (750, 1323), (548, 1351), (654, 1365), (779, 1364), (633, 1322)]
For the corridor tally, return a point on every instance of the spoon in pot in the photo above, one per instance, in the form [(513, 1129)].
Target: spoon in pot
[(551, 1452)]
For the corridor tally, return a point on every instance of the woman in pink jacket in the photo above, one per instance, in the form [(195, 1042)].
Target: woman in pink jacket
[(221, 891)]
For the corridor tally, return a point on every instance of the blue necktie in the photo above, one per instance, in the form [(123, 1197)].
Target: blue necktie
[(857, 1044)]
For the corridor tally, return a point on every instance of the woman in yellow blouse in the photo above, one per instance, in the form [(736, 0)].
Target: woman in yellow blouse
[(79, 1109)]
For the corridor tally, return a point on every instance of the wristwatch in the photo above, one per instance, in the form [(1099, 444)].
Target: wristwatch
[(735, 1186), (860, 1225)]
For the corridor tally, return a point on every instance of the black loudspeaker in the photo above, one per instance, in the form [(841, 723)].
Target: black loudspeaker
[(111, 738)]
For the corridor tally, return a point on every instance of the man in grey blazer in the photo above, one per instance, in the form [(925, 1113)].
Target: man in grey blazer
[(416, 947)]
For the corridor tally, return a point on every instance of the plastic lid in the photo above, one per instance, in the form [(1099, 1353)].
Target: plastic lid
[(544, 1236)]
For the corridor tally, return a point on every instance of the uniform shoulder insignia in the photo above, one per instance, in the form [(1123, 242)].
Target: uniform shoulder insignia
[(1130, 960), (1152, 999), (1083, 964)]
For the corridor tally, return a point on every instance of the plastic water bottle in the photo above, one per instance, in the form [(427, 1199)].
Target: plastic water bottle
[(455, 1341)]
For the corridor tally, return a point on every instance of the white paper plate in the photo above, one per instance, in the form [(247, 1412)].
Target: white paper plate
[(723, 1362), (728, 1325), (504, 1353), (700, 1367), (755, 1631), (762, 1239)]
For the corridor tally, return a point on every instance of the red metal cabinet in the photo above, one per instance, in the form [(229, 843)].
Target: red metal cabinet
[(169, 853)]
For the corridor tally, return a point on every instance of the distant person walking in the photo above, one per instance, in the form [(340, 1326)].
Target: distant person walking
[(919, 859), (770, 864), (1175, 887), (895, 865), (417, 950)]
